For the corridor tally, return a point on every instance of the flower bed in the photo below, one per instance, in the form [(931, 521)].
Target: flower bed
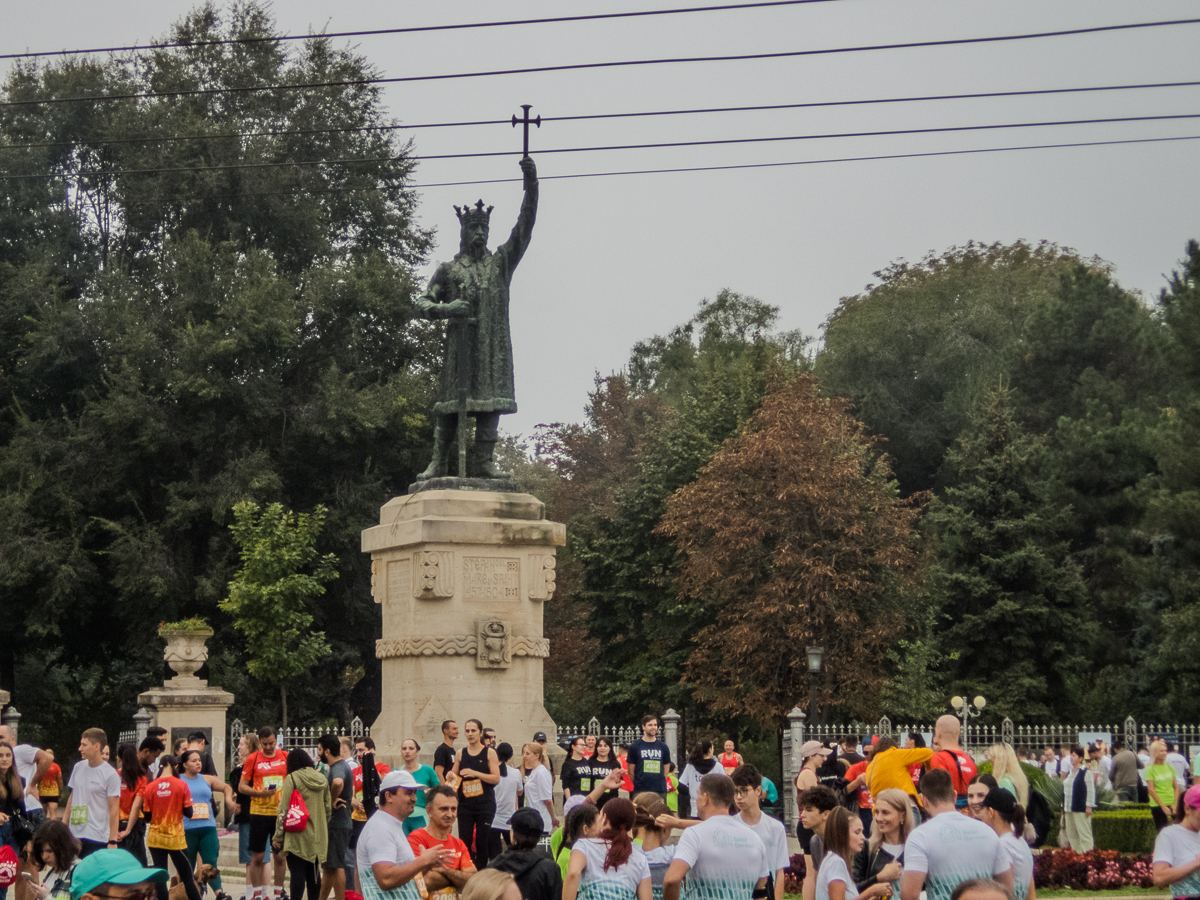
[(1096, 870), (793, 875)]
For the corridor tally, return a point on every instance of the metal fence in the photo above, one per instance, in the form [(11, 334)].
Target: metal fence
[(299, 737), (618, 734)]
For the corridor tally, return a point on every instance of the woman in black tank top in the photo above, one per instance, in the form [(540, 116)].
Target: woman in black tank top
[(478, 773)]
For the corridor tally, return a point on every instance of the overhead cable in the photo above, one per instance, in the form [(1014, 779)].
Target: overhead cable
[(740, 57), (590, 116), (677, 169), (415, 29), (87, 173)]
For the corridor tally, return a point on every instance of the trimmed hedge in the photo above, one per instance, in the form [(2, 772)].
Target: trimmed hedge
[(1129, 830)]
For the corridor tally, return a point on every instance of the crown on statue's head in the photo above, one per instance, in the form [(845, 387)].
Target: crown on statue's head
[(476, 216)]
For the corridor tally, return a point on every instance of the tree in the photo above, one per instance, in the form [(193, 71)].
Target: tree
[(918, 352), (1013, 602), (793, 533), (271, 597), (193, 326)]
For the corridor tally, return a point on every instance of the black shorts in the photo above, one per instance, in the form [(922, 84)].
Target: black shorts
[(337, 854), (805, 836), (262, 829)]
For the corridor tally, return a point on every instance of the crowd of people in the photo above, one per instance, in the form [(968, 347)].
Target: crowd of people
[(481, 825)]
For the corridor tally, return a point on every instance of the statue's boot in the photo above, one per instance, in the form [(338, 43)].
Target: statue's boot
[(482, 463), (443, 444)]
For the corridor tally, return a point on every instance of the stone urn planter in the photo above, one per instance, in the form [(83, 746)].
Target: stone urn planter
[(185, 653)]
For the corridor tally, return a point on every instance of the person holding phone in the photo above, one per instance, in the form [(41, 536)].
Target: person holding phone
[(55, 853), (262, 775)]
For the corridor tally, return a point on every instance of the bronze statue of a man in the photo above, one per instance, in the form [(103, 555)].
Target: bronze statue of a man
[(471, 293)]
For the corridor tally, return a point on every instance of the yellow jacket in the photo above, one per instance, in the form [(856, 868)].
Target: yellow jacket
[(890, 769)]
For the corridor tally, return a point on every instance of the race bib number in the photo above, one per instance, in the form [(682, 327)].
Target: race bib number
[(272, 782), (472, 787), (651, 767), (199, 811), (79, 815), (585, 784)]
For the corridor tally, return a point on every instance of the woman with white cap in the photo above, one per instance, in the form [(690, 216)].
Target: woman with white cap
[(1177, 849)]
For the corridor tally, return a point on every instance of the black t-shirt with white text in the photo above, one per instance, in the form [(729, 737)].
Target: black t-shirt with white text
[(648, 765), (577, 776)]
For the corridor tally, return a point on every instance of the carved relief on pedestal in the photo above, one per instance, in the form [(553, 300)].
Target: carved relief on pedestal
[(467, 645), (434, 578), (542, 578)]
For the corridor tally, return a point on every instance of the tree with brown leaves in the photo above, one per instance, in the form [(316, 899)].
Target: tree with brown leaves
[(794, 534)]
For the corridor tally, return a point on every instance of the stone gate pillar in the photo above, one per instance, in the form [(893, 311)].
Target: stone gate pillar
[(461, 576)]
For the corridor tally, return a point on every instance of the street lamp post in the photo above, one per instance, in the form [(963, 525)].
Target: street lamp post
[(816, 655), (967, 711)]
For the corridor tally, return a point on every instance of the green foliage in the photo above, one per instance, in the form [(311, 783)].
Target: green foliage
[(177, 338), (1127, 830), (271, 597), (1014, 602)]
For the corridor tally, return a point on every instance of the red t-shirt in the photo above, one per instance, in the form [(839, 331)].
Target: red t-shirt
[(459, 856), (126, 801), (166, 798), (263, 772), (944, 759), (48, 786), (864, 796), (627, 785)]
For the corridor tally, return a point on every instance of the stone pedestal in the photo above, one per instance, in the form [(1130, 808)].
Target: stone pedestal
[(461, 576), (186, 703)]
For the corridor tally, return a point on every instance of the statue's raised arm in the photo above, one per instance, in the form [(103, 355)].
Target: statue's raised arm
[(514, 247)]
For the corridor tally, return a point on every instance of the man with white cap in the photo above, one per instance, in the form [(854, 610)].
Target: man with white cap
[(114, 875), (387, 867)]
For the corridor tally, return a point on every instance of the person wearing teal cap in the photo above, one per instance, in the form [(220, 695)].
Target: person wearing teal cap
[(114, 875)]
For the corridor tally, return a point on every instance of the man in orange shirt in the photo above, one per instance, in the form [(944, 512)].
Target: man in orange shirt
[(865, 804), (949, 755), (446, 881), (50, 788), (262, 775)]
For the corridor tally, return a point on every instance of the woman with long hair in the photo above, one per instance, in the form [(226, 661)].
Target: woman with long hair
[(305, 849), (582, 821), (478, 772), (892, 823), (168, 802), (604, 760), (606, 867), (1008, 772), (491, 884), (648, 806), (12, 799), (201, 829), (424, 775), (700, 763), (1005, 816), (843, 839), (55, 853), (134, 778), (976, 791), (508, 792), (539, 785)]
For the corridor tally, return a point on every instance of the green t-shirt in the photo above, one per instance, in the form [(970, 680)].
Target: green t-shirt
[(1163, 779)]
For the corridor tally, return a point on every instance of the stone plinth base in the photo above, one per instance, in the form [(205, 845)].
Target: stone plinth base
[(187, 703), (461, 576)]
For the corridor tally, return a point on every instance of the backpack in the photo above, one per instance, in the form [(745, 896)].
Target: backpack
[(1038, 815), (8, 866), (297, 814)]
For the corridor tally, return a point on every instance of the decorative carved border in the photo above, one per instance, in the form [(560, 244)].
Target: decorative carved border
[(455, 645)]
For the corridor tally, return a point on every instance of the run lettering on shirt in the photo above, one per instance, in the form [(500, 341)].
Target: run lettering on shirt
[(265, 772)]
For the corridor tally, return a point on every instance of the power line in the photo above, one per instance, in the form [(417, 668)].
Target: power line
[(647, 146), (415, 29), (740, 57), (679, 169), (592, 116)]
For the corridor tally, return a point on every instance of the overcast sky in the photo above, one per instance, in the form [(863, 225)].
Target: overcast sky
[(617, 259)]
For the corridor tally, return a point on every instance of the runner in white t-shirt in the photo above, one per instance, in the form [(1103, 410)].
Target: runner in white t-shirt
[(950, 848), (608, 867), (1005, 816), (721, 859), (747, 782), (1177, 851), (387, 867)]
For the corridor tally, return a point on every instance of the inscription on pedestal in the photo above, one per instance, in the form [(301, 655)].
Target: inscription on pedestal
[(488, 578), (398, 579)]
